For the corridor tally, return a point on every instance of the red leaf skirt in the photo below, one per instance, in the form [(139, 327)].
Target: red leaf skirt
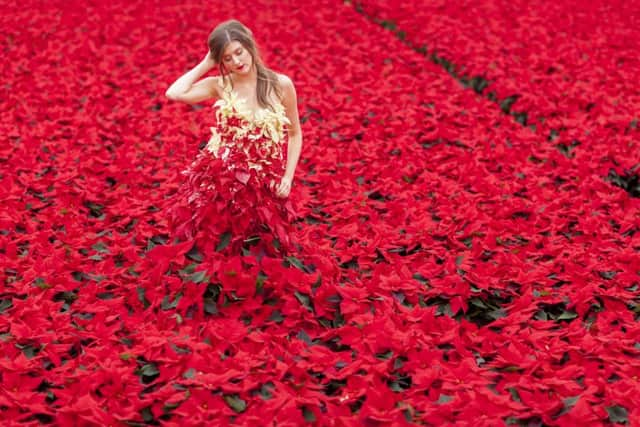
[(222, 204)]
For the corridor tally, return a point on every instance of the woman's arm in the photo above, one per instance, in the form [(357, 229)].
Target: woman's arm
[(290, 103), (185, 90)]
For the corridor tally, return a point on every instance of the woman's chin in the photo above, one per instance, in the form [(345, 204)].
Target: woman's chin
[(243, 71)]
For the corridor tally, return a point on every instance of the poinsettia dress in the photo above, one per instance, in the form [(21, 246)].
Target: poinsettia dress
[(228, 197)]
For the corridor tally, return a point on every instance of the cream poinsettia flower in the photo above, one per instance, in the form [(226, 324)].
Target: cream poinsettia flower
[(272, 123), (264, 123), (214, 142)]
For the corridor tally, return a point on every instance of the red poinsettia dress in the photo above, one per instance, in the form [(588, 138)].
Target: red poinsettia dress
[(228, 197)]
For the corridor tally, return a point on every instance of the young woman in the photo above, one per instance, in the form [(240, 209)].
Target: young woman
[(236, 190)]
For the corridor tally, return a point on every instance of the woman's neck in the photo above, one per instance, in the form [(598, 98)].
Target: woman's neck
[(249, 79)]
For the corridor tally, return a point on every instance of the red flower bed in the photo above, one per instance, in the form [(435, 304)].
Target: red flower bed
[(456, 267), (566, 68)]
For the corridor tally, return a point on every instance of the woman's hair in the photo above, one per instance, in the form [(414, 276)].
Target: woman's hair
[(233, 30)]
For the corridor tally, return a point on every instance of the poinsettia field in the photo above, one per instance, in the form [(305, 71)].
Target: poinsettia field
[(457, 265)]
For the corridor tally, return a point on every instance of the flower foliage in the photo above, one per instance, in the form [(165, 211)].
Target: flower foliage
[(565, 69), (456, 267)]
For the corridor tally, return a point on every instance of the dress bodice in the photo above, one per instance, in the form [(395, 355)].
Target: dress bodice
[(237, 127)]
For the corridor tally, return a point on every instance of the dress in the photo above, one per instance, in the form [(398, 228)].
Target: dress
[(228, 197)]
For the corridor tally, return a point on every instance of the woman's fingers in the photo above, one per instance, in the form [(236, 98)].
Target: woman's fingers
[(283, 189)]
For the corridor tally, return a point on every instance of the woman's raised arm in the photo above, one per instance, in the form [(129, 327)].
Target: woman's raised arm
[(186, 90)]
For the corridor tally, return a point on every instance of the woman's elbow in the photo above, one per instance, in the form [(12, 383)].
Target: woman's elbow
[(172, 95)]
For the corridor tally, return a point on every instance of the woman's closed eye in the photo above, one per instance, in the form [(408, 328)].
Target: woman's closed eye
[(238, 52)]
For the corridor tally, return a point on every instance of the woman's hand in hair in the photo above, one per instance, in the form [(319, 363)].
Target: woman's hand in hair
[(190, 89), (208, 60)]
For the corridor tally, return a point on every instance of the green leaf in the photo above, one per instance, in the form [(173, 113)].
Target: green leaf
[(296, 263), (149, 369), (148, 372), (171, 406), (399, 362), (147, 414), (95, 209), (305, 300), (194, 254), (40, 283), (618, 414), (400, 383), (30, 351), (265, 390), (105, 295), (303, 336), (66, 296), (541, 315), (514, 394), (395, 386), (420, 278), (507, 103), (189, 269), (276, 316), (180, 349), (210, 306), (199, 277), (142, 298), (225, 239), (497, 314), (477, 302), (389, 25), (189, 373), (5, 304), (607, 275), (260, 279), (338, 319), (166, 305), (100, 247), (385, 355), (308, 415), (569, 403), (567, 315), (234, 402), (444, 399)]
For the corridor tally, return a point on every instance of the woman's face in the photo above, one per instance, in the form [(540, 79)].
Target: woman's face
[(237, 59)]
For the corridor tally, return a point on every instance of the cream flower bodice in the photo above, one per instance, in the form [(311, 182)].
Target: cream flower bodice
[(265, 126), (248, 140)]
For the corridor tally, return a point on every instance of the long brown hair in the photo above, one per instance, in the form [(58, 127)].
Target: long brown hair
[(233, 30)]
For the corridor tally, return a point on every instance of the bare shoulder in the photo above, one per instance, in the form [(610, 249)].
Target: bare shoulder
[(217, 85), (285, 82), (287, 89)]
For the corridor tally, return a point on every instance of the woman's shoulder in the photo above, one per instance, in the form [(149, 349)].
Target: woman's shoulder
[(287, 89), (220, 84), (284, 81)]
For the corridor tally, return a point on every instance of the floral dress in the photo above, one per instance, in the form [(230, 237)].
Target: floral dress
[(228, 198)]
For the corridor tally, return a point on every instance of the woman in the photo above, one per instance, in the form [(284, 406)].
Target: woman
[(236, 191)]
